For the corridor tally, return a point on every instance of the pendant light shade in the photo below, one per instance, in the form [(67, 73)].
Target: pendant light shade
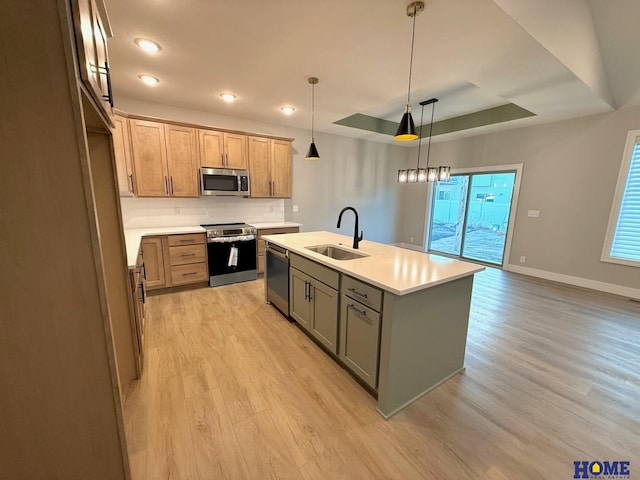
[(313, 150), (407, 129), (444, 174), (312, 154)]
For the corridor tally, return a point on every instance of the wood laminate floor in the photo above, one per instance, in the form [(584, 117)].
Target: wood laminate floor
[(232, 390)]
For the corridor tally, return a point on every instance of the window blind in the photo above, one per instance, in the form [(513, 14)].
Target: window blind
[(626, 239)]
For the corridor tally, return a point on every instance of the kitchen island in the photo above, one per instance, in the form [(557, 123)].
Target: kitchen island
[(396, 318)]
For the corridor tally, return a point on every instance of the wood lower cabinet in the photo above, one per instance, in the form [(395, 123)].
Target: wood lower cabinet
[(138, 298), (187, 258), (314, 303), (122, 153), (260, 244), (165, 159), (152, 252), (270, 167), (174, 260), (222, 149)]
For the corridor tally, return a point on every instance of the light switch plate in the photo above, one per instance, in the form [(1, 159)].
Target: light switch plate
[(533, 213), (296, 208)]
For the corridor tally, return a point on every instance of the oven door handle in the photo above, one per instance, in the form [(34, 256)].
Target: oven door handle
[(275, 253)]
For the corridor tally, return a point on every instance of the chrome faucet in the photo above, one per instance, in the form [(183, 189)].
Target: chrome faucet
[(356, 238)]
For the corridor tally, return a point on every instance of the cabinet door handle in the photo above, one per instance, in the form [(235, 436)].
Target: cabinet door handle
[(310, 292), (305, 289), (109, 96), (131, 182), (144, 296), (361, 312), (363, 295), (171, 183), (166, 184), (144, 271)]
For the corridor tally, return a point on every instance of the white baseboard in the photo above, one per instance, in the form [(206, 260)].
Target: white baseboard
[(576, 281)]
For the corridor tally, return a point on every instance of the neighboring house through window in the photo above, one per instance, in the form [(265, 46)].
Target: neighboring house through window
[(622, 243)]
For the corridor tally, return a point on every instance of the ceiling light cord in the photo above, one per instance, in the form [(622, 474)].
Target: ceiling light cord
[(420, 140), (433, 108), (313, 107), (413, 35)]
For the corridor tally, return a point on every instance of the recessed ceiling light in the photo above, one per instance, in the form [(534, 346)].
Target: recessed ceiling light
[(228, 97), (287, 110), (147, 45), (149, 79)]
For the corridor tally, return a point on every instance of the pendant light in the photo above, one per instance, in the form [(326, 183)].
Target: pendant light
[(406, 128), (427, 174), (313, 151)]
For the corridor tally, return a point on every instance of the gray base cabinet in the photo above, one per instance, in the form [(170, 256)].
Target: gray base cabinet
[(360, 339), (312, 303)]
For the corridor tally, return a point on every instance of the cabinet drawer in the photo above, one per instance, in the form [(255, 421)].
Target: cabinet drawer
[(362, 292), (187, 254), (325, 274), (183, 274), (186, 239)]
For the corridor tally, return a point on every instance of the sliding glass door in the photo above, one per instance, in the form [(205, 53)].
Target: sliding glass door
[(470, 216)]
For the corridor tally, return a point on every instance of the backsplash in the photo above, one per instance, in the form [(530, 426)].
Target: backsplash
[(178, 212)]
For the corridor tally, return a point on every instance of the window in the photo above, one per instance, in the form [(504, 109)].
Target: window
[(622, 243), (444, 195)]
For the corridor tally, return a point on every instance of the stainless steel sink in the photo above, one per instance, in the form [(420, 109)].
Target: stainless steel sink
[(336, 252)]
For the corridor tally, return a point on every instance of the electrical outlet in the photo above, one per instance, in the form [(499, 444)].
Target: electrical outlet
[(523, 259), (296, 208), (411, 239), (272, 208), (177, 210), (533, 213)]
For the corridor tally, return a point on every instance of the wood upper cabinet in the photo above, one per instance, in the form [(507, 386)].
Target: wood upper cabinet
[(165, 159), (222, 149), (211, 143), (122, 153), (149, 158), (91, 40), (235, 148), (182, 161), (259, 159), (281, 168), (270, 167)]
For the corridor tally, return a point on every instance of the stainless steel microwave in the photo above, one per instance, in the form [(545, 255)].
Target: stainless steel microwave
[(220, 181)]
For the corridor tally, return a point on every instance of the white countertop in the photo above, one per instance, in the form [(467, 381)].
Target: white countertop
[(394, 269), (133, 236), (263, 225)]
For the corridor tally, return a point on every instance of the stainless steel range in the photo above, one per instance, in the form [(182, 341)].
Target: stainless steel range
[(231, 250)]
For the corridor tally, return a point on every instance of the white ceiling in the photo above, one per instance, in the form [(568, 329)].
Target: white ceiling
[(558, 59)]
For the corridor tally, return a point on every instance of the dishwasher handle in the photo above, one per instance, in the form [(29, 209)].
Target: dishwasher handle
[(281, 253)]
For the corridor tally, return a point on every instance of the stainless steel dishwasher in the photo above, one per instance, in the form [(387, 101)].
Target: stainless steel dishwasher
[(276, 276)]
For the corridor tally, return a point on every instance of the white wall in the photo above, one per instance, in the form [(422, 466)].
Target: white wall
[(570, 173), (351, 172)]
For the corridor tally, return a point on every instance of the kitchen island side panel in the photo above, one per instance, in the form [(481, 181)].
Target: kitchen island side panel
[(423, 341)]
